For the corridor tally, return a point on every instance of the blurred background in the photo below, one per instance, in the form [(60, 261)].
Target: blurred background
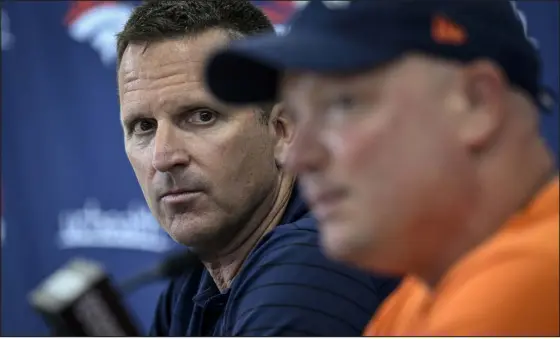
[(67, 187)]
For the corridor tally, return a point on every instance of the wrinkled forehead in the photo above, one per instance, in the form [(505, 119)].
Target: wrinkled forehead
[(167, 74), (171, 55)]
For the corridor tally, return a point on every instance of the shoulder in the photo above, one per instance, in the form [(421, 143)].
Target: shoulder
[(510, 289), (396, 312), (508, 286), (288, 286)]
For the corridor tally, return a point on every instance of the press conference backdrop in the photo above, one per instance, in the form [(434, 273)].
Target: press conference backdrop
[(68, 189)]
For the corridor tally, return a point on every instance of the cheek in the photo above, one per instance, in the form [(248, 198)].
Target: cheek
[(391, 137), (254, 154), (362, 147), (141, 162), (379, 157), (236, 155)]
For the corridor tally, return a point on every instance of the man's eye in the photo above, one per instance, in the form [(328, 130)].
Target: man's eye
[(143, 126), (202, 117), (343, 102), (341, 105)]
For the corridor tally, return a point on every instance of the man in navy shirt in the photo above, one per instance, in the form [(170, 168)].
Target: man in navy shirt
[(211, 174)]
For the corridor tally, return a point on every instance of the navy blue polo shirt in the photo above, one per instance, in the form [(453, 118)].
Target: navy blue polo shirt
[(286, 287)]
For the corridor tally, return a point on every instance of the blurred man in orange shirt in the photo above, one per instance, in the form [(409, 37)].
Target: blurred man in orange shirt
[(418, 148)]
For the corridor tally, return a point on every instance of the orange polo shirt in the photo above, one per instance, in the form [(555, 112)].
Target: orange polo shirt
[(508, 286)]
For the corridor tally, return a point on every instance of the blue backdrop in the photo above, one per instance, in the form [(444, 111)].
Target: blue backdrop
[(68, 189)]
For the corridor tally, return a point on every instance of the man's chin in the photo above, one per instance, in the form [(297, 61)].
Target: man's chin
[(192, 232), (361, 252), (337, 243)]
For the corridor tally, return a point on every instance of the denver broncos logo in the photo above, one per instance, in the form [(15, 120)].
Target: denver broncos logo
[(97, 23), (279, 12)]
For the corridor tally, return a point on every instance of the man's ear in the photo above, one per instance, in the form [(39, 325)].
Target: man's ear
[(284, 128), (484, 89)]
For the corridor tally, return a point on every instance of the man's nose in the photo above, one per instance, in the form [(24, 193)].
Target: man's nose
[(169, 148), (306, 152)]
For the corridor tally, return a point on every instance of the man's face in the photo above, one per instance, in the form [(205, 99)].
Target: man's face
[(376, 156), (203, 167)]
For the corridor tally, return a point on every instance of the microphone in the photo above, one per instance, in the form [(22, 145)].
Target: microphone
[(79, 299)]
